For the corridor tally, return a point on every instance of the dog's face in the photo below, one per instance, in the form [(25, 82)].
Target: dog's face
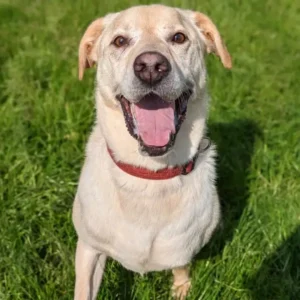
[(150, 59)]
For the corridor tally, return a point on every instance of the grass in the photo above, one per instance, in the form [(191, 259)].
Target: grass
[(46, 117)]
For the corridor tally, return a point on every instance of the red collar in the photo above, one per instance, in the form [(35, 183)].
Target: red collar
[(165, 173)]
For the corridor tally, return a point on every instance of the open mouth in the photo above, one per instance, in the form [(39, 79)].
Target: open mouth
[(155, 122)]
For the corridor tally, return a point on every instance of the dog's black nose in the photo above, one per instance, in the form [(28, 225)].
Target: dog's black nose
[(151, 67)]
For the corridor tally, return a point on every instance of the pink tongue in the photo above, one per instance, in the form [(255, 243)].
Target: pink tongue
[(155, 120)]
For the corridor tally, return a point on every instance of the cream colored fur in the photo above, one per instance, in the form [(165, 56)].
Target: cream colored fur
[(146, 225)]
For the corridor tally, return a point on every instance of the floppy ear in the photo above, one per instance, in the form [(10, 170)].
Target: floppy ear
[(87, 51), (213, 40)]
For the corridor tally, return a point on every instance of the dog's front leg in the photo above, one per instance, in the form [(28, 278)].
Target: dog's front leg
[(181, 282), (89, 267)]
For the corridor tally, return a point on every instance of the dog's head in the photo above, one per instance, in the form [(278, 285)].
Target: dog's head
[(151, 60)]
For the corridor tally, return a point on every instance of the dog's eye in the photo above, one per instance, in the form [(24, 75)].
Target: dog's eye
[(179, 38), (120, 41)]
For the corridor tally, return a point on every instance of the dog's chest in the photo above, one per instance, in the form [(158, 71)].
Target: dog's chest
[(147, 233), (146, 225)]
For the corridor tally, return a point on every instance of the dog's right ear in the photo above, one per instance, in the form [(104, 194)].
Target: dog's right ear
[(87, 51)]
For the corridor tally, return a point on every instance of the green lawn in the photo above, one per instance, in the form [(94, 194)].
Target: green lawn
[(46, 115)]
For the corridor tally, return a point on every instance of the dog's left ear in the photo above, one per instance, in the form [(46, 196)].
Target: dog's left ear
[(87, 52), (213, 40)]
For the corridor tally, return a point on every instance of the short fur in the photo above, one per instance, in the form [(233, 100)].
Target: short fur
[(146, 225)]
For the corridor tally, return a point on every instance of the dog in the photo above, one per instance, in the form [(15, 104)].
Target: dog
[(146, 195)]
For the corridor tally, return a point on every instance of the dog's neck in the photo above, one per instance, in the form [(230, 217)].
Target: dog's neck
[(165, 173)]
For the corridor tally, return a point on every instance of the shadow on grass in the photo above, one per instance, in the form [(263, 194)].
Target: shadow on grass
[(122, 284), (279, 276), (235, 143), (117, 283)]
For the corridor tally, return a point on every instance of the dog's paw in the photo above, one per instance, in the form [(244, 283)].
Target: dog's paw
[(180, 292)]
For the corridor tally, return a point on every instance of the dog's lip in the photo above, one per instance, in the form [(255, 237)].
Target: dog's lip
[(181, 106), (186, 93)]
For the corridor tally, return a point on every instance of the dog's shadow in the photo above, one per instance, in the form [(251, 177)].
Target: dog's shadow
[(235, 144), (279, 275)]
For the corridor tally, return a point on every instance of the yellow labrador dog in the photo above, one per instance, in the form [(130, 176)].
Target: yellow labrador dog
[(147, 195)]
